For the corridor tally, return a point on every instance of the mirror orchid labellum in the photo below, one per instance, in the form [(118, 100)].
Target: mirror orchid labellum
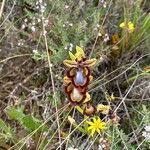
[(79, 77)]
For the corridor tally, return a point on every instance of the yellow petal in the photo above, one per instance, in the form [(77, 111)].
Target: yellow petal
[(99, 120), (88, 98), (91, 78), (122, 25), (98, 130), (72, 72), (90, 123), (94, 120), (92, 132), (79, 51), (69, 88), (131, 29), (90, 62), (103, 125), (72, 57), (70, 63), (131, 26), (130, 23), (86, 71), (66, 80), (90, 128)]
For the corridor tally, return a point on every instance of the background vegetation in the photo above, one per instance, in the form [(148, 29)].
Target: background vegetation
[(35, 38)]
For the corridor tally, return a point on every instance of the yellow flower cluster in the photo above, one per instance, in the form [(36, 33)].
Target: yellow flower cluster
[(129, 26), (97, 125)]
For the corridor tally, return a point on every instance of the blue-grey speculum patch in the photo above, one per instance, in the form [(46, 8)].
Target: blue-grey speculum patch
[(79, 78)]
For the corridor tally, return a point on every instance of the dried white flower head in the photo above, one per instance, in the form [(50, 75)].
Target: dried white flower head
[(35, 51), (23, 26), (40, 6), (66, 6), (100, 147), (70, 48), (99, 34), (37, 7), (25, 20), (146, 133), (20, 42), (147, 128), (103, 3), (106, 37), (70, 24), (65, 47), (97, 25), (39, 20), (46, 22), (45, 32), (71, 45), (40, 1), (45, 4), (33, 28), (33, 23), (43, 8)]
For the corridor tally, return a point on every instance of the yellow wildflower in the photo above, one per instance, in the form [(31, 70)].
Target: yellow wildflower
[(97, 125), (122, 25), (111, 97), (104, 109), (129, 26)]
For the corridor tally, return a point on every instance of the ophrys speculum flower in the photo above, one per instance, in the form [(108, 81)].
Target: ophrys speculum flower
[(78, 76)]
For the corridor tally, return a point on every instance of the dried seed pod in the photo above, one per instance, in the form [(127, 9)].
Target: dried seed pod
[(89, 110)]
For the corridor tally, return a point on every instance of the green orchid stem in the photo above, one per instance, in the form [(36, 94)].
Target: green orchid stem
[(79, 109), (85, 124), (79, 128), (85, 118)]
